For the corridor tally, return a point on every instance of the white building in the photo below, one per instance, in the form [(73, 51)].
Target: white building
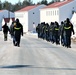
[(73, 20), (58, 11), (5, 16), (29, 17)]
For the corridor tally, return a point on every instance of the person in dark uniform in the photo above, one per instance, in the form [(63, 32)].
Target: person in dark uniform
[(51, 31), (5, 31), (61, 31), (18, 31), (56, 33), (68, 29), (47, 31), (38, 30), (12, 29)]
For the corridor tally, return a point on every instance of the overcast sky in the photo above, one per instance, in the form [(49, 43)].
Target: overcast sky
[(15, 1)]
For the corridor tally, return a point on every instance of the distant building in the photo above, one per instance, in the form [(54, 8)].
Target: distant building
[(29, 16), (5, 16), (58, 11), (73, 21)]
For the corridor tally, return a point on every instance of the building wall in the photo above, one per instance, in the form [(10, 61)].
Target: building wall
[(27, 18), (1, 17), (34, 17), (57, 14), (5, 14), (49, 15), (66, 11), (23, 18), (25, 22)]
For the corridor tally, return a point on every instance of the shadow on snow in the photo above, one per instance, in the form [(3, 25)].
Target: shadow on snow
[(34, 67)]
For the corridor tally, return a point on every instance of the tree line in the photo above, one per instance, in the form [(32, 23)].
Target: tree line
[(14, 7)]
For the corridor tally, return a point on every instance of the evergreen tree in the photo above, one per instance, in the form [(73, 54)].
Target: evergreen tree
[(44, 2), (56, 0), (51, 2), (26, 3), (0, 5), (6, 5)]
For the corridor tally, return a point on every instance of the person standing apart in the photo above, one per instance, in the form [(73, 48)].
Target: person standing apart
[(5, 31)]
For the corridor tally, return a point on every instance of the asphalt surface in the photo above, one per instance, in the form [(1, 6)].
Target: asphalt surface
[(36, 57)]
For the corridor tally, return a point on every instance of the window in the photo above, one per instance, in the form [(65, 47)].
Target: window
[(33, 22), (53, 12), (33, 13), (47, 13), (57, 12)]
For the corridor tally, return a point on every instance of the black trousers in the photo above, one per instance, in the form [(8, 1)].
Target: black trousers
[(68, 41), (5, 36), (17, 39)]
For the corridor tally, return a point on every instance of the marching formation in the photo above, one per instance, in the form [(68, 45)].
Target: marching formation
[(55, 33)]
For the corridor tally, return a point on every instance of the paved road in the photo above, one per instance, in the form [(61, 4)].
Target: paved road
[(36, 57)]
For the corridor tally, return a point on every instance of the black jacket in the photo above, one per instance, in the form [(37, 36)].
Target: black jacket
[(18, 29), (5, 28)]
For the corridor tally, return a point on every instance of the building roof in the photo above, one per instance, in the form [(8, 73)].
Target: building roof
[(58, 4), (4, 10), (1, 10), (27, 8)]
